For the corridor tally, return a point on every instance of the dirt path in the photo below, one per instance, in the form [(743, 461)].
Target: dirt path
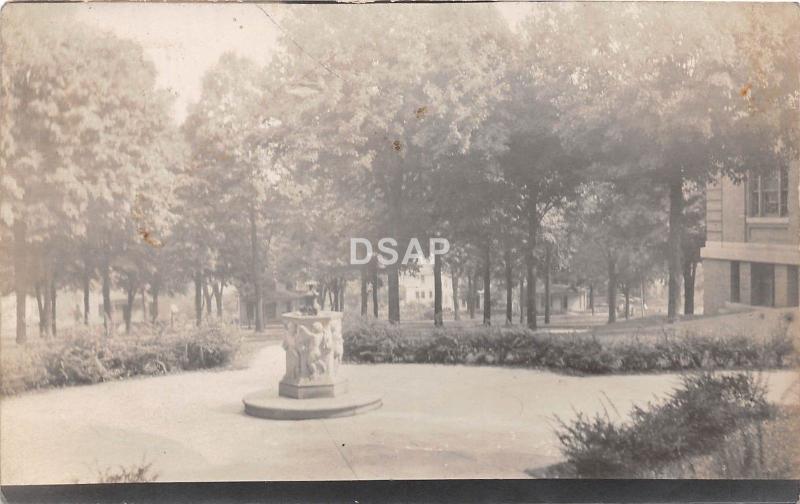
[(437, 421)]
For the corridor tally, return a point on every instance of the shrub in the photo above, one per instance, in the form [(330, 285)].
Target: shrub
[(762, 449), (373, 342), (136, 473), (693, 421), (86, 356)]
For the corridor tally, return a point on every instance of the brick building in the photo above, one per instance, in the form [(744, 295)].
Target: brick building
[(752, 250)]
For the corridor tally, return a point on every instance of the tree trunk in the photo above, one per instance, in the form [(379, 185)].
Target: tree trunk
[(643, 292), (522, 299), (547, 299), (256, 273), (323, 296), (612, 291), (20, 280), (217, 289), (395, 221), (342, 289), (470, 296), (206, 298), (336, 299), (438, 319), (676, 204), (689, 271), (131, 292), (47, 323), (40, 308), (530, 297), (375, 283), (530, 268), (456, 301), (154, 292), (509, 288), (108, 315), (487, 284), (145, 317), (591, 297), (86, 292), (364, 292), (198, 299), (627, 291), (394, 294), (53, 317)]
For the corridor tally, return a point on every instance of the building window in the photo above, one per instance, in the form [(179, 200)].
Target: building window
[(762, 284), (430, 294), (769, 194), (422, 294), (735, 291), (416, 294), (792, 297)]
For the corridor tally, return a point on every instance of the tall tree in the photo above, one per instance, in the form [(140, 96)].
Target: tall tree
[(239, 183), (619, 226), (679, 98), (81, 117), (398, 88)]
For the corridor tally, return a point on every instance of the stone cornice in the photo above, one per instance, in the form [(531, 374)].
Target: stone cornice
[(752, 252)]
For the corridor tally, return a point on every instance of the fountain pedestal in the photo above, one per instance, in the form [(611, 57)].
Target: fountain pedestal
[(311, 386), (314, 347)]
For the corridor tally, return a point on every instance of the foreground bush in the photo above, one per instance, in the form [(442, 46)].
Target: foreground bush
[(380, 342), (89, 357), (697, 419), (762, 449), (136, 473)]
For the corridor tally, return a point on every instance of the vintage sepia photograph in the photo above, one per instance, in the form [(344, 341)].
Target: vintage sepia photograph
[(308, 242)]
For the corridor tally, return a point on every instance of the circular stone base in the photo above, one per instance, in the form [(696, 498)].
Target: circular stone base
[(268, 404)]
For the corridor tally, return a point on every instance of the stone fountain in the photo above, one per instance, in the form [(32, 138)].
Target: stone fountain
[(311, 386)]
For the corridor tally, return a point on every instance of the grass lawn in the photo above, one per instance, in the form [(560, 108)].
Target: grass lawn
[(758, 322)]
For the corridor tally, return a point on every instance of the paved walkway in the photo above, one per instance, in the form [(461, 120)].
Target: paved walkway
[(436, 422)]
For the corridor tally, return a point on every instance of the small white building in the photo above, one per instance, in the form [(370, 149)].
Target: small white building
[(563, 298), (417, 288)]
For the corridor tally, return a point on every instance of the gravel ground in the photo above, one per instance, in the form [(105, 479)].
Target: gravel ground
[(436, 422)]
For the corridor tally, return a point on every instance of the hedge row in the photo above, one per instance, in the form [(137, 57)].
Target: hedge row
[(87, 357), (375, 342)]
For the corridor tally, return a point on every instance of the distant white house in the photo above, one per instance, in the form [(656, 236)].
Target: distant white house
[(417, 288), (563, 298), (278, 299)]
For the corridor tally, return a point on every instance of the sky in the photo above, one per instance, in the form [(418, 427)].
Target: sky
[(185, 40)]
